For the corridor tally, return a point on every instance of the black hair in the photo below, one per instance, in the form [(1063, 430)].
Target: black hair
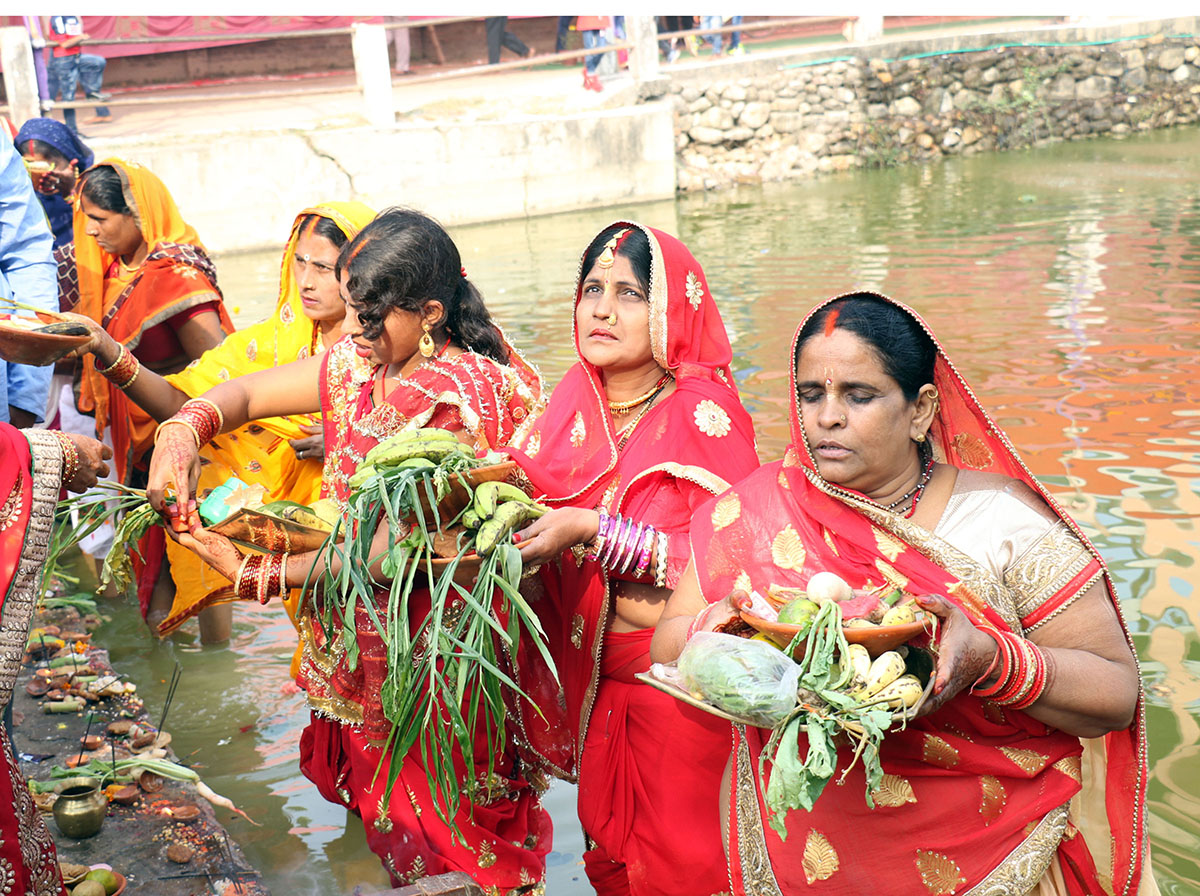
[(634, 247), (401, 261), (905, 350), (102, 187), (43, 149), (319, 225)]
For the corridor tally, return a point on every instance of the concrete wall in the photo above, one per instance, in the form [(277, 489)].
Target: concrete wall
[(898, 101), (241, 191)]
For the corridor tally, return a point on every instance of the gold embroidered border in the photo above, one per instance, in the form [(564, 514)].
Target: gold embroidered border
[(1045, 568), (757, 875), (1024, 866), (22, 593)]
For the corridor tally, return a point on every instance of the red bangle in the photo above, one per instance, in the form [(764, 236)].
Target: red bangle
[(123, 371)]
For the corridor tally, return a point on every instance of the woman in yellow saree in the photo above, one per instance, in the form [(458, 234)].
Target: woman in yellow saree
[(283, 454)]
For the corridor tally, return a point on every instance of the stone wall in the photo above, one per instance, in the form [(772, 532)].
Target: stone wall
[(880, 108)]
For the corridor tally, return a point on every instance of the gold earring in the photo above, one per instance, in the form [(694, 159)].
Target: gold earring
[(426, 345), (919, 437)]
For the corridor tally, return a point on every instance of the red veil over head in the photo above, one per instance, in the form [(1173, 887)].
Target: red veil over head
[(690, 445), (995, 770), (688, 338)]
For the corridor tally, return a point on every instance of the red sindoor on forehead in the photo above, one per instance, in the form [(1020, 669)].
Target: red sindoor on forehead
[(831, 321)]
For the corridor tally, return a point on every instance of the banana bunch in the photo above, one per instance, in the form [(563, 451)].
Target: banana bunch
[(419, 449), (297, 513), (882, 680), (497, 510)]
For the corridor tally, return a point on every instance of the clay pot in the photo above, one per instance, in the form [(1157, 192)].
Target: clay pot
[(80, 808), (150, 782), (92, 742), (127, 795), (184, 813)]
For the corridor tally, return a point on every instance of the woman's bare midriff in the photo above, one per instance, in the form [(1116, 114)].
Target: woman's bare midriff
[(636, 606)]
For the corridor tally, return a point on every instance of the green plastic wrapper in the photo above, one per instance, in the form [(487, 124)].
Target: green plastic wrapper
[(750, 679)]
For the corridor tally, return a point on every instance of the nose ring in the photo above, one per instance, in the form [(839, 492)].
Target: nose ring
[(842, 418), (611, 319)]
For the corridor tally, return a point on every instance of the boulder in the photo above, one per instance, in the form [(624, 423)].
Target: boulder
[(1093, 88), (708, 135), (1132, 81), (1170, 58), (906, 106), (738, 135), (786, 122), (1111, 65), (754, 115), (735, 92), (1181, 74)]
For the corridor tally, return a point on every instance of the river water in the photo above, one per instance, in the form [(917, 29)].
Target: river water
[(1064, 282)]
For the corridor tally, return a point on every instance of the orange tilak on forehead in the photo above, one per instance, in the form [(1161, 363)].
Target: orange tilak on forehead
[(830, 325)]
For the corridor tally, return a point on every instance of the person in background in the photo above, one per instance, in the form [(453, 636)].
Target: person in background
[(592, 29), (560, 36), (46, 141), (401, 40), (26, 275), (69, 66), (498, 35)]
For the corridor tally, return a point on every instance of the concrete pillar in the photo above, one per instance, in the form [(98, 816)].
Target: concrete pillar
[(20, 77), (373, 71), (866, 27), (643, 58)]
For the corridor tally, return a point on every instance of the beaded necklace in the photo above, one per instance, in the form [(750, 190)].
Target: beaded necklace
[(624, 407), (913, 493)]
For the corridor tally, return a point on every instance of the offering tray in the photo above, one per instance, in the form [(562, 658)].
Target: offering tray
[(20, 343), (670, 684), (876, 638), (269, 534)]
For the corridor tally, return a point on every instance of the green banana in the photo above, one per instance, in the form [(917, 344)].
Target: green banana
[(417, 463), (507, 518), (306, 517), (489, 495), (410, 443), (471, 520)]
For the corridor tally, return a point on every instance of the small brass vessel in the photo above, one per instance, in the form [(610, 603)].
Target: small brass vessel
[(80, 808)]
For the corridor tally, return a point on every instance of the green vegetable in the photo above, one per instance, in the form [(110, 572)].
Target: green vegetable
[(744, 677), (448, 673)]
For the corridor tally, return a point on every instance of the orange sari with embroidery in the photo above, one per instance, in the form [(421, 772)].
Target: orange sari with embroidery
[(976, 798), (505, 836), (177, 277)]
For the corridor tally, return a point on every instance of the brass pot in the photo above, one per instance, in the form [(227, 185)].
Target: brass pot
[(80, 808)]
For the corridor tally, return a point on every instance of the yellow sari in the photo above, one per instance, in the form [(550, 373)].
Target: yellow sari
[(257, 453)]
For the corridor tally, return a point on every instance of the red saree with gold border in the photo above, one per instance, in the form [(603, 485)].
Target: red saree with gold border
[(646, 826), (506, 834), (30, 479), (976, 798)]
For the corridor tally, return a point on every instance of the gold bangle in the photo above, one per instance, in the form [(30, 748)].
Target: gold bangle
[(191, 429)]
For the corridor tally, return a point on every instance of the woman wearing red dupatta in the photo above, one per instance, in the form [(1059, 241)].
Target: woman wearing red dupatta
[(34, 466), (421, 350), (979, 795), (644, 428)]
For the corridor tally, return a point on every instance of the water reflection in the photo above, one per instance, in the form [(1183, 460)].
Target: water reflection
[(1065, 282)]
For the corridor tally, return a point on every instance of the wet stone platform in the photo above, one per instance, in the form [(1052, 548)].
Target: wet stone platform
[(160, 834)]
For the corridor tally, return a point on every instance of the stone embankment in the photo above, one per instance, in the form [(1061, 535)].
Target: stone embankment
[(874, 112)]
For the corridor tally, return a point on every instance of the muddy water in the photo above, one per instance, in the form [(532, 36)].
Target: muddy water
[(1065, 283)]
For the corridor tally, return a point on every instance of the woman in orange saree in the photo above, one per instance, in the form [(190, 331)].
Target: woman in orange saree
[(140, 271), (34, 466), (420, 350), (1021, 774), (642, 430)]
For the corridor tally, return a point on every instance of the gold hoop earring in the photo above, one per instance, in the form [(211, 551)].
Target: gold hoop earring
[(426, 346)]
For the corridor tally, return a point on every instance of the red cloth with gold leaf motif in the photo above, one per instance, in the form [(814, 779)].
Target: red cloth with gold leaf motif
[(971, 794)]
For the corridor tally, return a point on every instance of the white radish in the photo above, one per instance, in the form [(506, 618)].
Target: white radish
[(826, 586), (902, 693), (860, 661), (224, 802)]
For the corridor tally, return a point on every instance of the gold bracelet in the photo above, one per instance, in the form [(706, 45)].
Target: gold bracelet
[(191, 429)]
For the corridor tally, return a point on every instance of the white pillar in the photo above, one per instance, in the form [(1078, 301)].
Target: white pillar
[(373, 72), (865, 28), (643, 58), (20, 78)]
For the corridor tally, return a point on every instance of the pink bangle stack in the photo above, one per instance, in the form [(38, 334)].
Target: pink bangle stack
[(622, 544)]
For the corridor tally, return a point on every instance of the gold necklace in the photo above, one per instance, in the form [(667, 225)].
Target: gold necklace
[(624, 407)]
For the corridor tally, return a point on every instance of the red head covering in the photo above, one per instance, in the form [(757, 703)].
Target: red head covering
[(688, 338), (784, 523)]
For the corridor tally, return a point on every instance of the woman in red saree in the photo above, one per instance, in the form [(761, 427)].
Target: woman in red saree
[(421, 351), (1021, 777), (646, 427), (34, 466)]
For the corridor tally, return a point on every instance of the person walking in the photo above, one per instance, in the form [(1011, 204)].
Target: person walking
[(498, 35), (70, 66)]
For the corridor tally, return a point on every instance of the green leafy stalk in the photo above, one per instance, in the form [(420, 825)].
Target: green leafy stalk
[(450, 668)]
